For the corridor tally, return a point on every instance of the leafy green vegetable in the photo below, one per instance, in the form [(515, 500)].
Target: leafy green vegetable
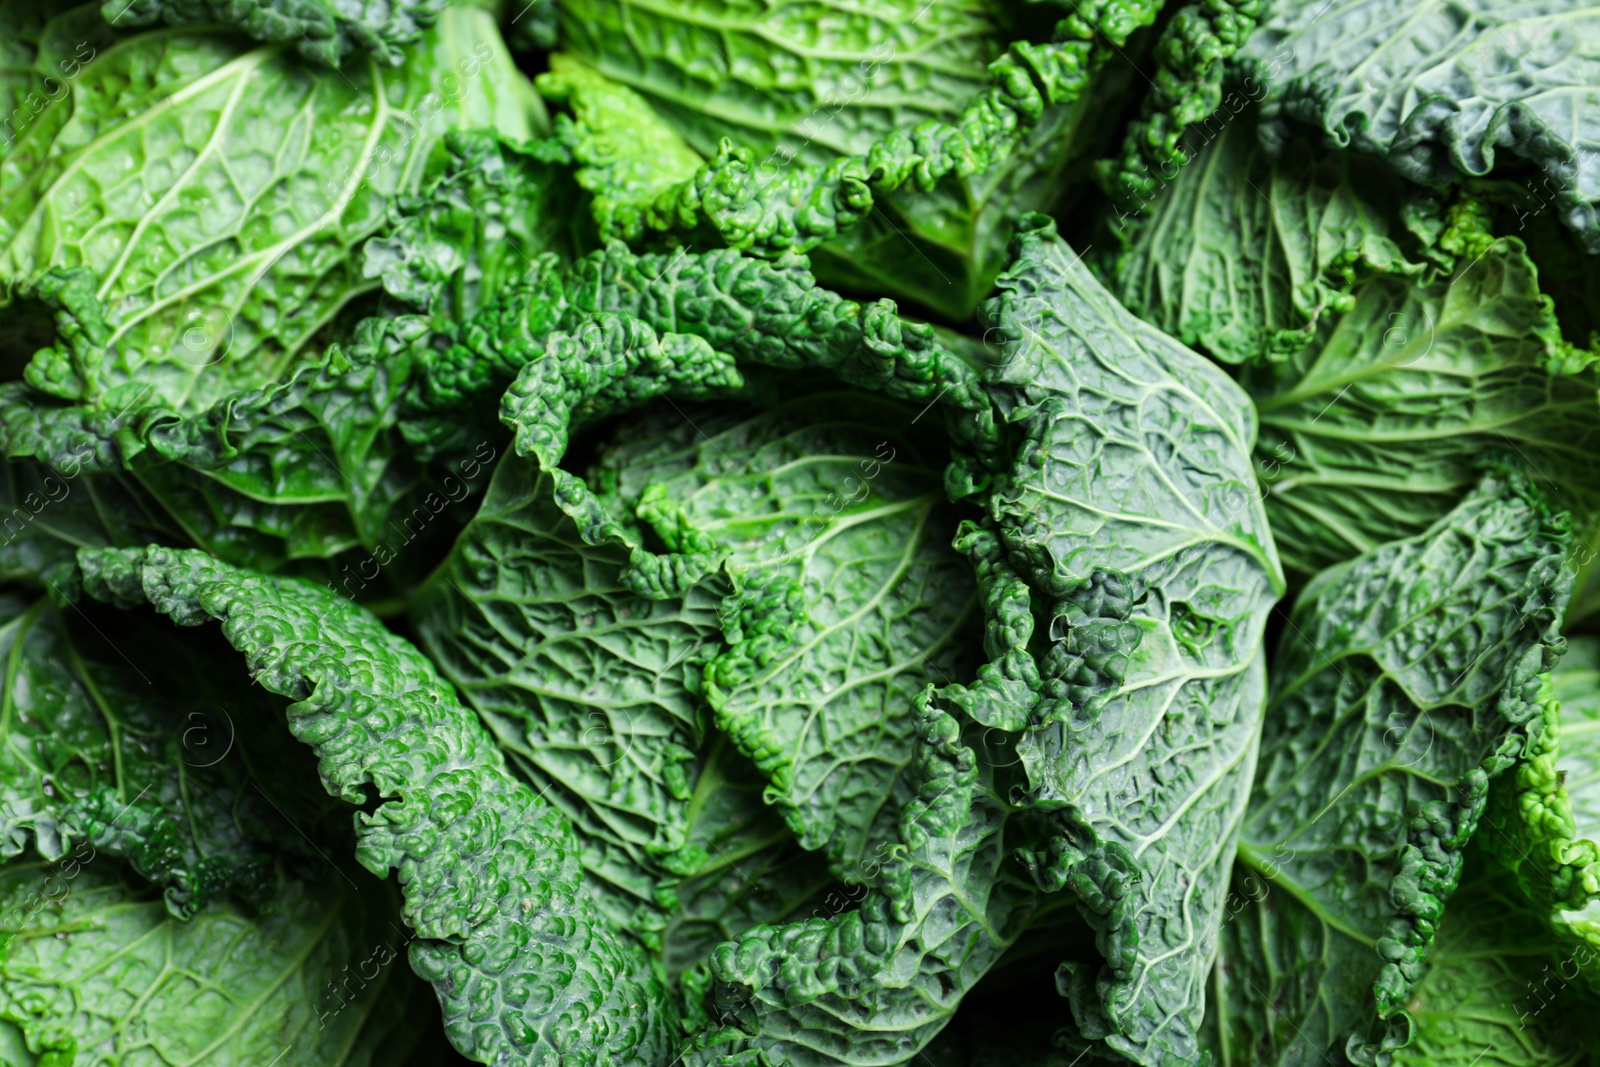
[(313, 981), (809, 128), (495, 214), (1543, 821), (212, 263), (1492, 990), (1577, 689), (1371, 431), (1405, 680), (734, 670), (849, 598), (1440, 92), (522, 961), (746, 310), (1129, 516), (322, 31), (593, 684), (1186, 89), (1480, 999), (811, 59), (626, 153), (171, 859), (781, 613), (590, 688), (749, 870), (326, 462), (877, 983), (1244, 256), (1386, 348), (304, 470), (94, 759)]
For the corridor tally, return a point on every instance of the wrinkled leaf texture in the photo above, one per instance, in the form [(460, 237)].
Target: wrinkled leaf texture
[(1404, 681)]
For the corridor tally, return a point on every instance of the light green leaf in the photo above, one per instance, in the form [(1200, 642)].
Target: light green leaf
[(1135, 535), (522, 961), (914, 121), (1576, 686), (493, 216), (1371, 431), (284, 477), (626, 153), (1243, 256), (1405, 680), (1543, 819), (99, 974), (216, 195), (751, 871), (832, 524), (1498, 989), (1408, 341), (875, 984), (591, 689), (96, 755)]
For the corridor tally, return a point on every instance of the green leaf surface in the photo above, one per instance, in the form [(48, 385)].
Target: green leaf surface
[(916, 122), (626, 327), (713, 310), (1242, 256), (1405, 680), (591, 689), (1388, 343), (283, 477), (826, 79), (1371, 431), (1487, 996), (1576, 685), (774, 314), (941, 248), (177, 904), (1543, 819), (322, 31), (850, 600), (594, 693), (522, 961), (98, 973), (1127, 526), (875, 984), (212, 197), (1186, 88), (749, 870), (1442, 90), (201, 792), (47, 512), (483, 225), (626, 153), (802, 85)]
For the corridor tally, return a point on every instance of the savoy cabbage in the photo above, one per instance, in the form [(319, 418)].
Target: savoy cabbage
[(597, 534)]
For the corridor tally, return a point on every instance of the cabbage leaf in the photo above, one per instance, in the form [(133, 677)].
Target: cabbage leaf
[(1404, 681), (1444, 91)]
